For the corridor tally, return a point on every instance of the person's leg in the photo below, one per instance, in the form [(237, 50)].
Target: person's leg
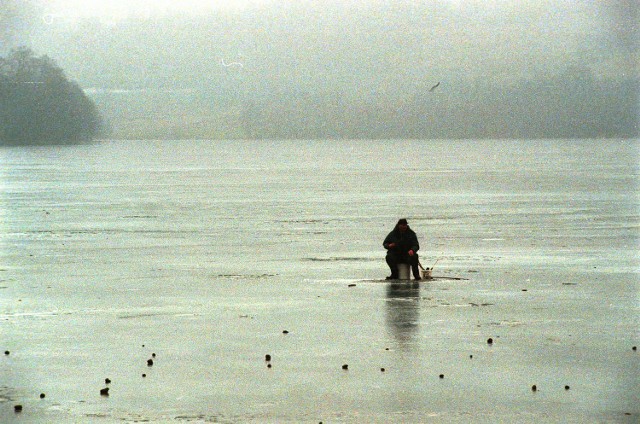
[(413, 261), (392, 261)]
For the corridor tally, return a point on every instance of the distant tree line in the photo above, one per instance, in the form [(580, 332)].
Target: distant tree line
[(566, 107), (39, 105), (574, 105)]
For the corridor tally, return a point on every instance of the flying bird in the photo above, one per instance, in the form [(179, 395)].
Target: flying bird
[(434, 87), (226, 65)]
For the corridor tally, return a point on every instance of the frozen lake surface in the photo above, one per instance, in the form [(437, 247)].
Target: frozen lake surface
[(204, 253)]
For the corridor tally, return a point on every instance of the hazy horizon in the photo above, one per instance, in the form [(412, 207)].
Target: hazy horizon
[(372, 54)]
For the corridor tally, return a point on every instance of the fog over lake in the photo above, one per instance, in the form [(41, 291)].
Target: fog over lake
[(346, 69)]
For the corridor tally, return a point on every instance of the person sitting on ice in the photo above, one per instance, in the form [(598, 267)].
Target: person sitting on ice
[(402, 247)]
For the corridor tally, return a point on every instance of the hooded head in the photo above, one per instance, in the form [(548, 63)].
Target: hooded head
[(402, 225)]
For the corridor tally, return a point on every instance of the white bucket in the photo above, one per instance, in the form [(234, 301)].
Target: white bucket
[(403, 272)]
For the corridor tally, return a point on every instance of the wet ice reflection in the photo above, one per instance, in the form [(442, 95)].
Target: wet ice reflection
[(403, 311)]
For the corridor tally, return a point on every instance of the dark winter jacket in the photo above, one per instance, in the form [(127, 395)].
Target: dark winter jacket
[(404, 241)]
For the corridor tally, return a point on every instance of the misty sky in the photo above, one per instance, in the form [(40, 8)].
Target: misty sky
[(345, 68), (431, 39)]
